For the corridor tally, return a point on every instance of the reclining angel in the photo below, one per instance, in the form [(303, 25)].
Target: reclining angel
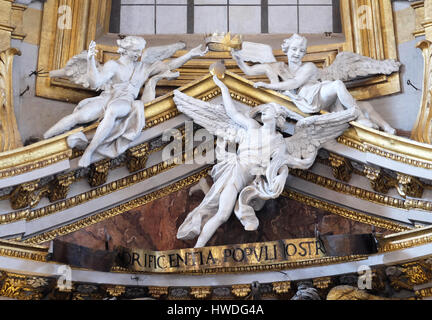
[(257, 169), (310, 88), (121, 115)]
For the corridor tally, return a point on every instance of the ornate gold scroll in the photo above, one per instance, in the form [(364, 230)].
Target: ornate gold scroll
[(205, 260)]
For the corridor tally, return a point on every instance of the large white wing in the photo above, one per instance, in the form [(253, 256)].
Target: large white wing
[(350, 66), (256, 52), (312, 132), (153, 54), (212, 117), (75, 70)]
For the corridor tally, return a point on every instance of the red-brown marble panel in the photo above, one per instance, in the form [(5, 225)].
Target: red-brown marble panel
[(154, 226)]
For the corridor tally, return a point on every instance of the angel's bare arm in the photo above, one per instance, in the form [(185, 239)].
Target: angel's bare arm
[(96, 77), (231, 109), (195, 52), (304, 74)]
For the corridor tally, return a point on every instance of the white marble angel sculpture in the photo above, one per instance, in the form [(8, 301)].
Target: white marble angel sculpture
[(258, 169), (122, 116), (313, 89)]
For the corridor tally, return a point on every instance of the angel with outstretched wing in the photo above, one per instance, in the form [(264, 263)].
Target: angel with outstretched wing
[(122, 116), (310, 88), (257, 170)]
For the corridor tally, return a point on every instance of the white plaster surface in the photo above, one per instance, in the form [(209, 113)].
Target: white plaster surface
[(137, 20), (258, 2), (400, 110), (282, 19), (34, 115), (171, 19), (209, 19), (207, 2), (315, 19), (292, 2), (171, 1), (35, 174), (129, 2), (317, 2), (245, 19), (244, 16)]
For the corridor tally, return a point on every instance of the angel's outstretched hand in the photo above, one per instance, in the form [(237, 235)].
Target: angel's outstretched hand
[(197, 52), (92, 49)]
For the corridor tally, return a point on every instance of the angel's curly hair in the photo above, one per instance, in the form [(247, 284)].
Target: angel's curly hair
[(132, 43), (288, 42)]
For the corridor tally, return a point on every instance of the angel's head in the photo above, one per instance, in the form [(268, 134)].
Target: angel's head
[(271, 113), (131, 46), (295, 48)]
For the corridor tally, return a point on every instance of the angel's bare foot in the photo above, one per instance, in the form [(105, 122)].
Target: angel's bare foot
[(250, 227), (260, 85), (85, 160), (367, 123), (389, 129)]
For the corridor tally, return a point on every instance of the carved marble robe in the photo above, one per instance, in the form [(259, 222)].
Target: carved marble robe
[(245, 170), (125, 129)]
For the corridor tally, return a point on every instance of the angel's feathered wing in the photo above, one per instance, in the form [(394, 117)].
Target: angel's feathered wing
[(312, 132), (153, 54), (256, 52), (75, 70), (212, 117), (350, 66)]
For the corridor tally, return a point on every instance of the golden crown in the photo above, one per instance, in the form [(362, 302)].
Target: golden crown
[(223, 41)]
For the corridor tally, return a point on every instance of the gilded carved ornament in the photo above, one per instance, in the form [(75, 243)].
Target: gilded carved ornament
[(99, 172), (241, 290), (200, 292), (9, 134), (341, 167), (379, 180), (351, 293), (422, 128)]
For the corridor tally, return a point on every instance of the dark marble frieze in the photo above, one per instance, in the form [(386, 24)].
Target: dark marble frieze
[(154, 225)]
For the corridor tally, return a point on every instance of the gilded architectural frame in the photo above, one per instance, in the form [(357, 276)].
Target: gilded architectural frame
[(68, 26)]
